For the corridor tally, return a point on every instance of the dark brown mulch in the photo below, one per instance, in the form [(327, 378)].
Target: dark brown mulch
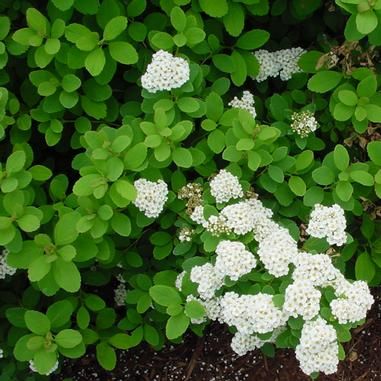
[(211, 359)]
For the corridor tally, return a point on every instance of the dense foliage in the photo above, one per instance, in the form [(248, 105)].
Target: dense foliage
[(110, 147)]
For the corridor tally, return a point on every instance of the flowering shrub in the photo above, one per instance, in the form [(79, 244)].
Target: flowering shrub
[(169, 163)]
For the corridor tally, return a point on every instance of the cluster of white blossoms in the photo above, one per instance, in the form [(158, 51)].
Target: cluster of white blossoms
[(241, 343), (233, 260), (245, 103), (353, 303), (328, 222), (120, 292), (282, 63), (278, 252), (49, 372), (5, 269), (185, 234), (317, 268), (151, 196), (303, 123), (225, 186), (207, 279), (318, 349), (302, 298), (165, 72), (251, 313), (1, 353)]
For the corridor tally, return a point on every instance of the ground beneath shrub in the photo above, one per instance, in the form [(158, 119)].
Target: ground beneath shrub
[(211, 359)]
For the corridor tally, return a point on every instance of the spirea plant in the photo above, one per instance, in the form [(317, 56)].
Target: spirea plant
[(171, 163)]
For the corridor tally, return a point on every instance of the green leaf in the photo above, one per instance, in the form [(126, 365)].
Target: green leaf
[(135, 156), (366, 21), (348, 97), (365, 268), (188, 104), (121, 224), (95, 61), (342, 112), (234, 20), (178, 19), (28, 223), (37, 322), (367, 86), (106, 356), (40, 173), (214, 8), (123, 52), (297, 185), (65, 231), (182, 157), (373, 113), (253, 39), (216, 141), (362, 177), (37, 21), (21, 351), (194, 35), (38, 268), (165, 295), (66, 275), (323, 175), (341, 157), (63, 5), (70, 83), (5, 26), (151, 335), (344, 190), (68, 338), (194, 309), (15, 162), (176, 326), (59, 313), (114, 28), (324, 81), (374, 151), (44, 361)]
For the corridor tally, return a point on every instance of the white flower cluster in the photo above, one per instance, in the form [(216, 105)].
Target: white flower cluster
[(233, 260), (251, 313), (208, 280), (353, 303), (197, 216), (1, 353), (5, 269), (328, 222), (185, 234), (53, 369), (283, 62), (245, 103), (241, 343), (151, 196), (318, 349), (225, 186), (179, 280), (165, 72), (120, 292), (303, 123), (277, 251), (317, 268), (302, 298)]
